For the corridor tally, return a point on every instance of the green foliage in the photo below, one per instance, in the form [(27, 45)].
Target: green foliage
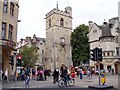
[(80, 44), (29, 56)]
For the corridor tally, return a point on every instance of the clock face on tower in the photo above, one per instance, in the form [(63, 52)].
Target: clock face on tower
[(62, 43), (63, 40)]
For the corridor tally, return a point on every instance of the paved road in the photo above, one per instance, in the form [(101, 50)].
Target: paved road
[(84, 83)]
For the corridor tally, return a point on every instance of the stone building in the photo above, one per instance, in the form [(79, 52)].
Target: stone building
[(8, 31), (40, 44), (55, 50), (106, 37), (58, 33)]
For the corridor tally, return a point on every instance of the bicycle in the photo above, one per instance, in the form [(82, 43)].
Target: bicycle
[(62, 83)]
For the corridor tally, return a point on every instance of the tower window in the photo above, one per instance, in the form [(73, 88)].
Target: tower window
[(61, 22), (49, 22), (5, 6), (4, 25)]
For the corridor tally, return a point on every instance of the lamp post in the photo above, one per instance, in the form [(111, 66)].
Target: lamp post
[(118, 31), (14, 68)]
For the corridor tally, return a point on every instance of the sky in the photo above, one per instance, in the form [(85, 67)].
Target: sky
[(32, 14)]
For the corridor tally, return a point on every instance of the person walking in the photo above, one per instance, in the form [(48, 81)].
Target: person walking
[(112, 71), (72, 72), (81, 74), (45, 75), (6, 75), (33, 74), (55, 75)]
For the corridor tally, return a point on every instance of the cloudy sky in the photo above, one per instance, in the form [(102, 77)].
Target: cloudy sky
[(32, 13)]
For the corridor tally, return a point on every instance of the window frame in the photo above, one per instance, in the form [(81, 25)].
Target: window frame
[(5, 6), (49, 22), (10, 32), (12, 9), (4, 29), (62, 22)]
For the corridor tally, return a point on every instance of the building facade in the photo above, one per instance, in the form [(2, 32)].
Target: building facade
[(106, 37), (40, 44), (58, 33), (8, 29)]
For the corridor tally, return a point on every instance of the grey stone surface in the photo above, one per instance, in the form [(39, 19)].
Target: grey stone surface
[(84, 83)]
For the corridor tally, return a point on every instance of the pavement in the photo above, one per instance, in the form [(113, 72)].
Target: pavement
[(83, 83)]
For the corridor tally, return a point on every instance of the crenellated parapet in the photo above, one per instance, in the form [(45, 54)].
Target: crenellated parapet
[(66, 12)]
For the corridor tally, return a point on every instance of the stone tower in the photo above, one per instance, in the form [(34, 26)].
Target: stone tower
[(58, 33)]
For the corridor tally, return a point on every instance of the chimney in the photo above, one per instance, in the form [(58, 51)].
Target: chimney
[(90, 24)]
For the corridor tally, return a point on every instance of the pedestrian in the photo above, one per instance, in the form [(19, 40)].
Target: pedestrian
[(41, 75), (33, 74), (45, 74), (81, 74), (112, 71), (6, 75), (23, 74), (88, 72), (72, 72), (55, 76)]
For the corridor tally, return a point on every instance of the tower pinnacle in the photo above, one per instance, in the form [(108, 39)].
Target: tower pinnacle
[(57, 5)]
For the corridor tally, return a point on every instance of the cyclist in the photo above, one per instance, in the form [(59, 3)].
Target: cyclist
[(66, 75)]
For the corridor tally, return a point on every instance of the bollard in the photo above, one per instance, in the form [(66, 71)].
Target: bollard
[(103, 75)]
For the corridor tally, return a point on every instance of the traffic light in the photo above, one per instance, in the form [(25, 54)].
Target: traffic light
[(93, 54), (100, 54), (96, 54), (11, 60)]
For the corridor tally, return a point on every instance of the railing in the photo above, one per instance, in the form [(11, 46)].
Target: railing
[(6, 42)]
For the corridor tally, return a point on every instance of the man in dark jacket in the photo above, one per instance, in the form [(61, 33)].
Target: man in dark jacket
[(45, 74), (55, 75)]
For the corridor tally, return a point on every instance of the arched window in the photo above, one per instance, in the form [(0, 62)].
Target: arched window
[(49, 22), (61, 22)]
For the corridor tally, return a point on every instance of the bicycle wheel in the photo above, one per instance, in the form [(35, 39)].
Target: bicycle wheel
[(61, 83), (71, 82)]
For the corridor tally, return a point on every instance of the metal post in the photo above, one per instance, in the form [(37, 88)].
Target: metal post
[(99, 72), (15, 69)]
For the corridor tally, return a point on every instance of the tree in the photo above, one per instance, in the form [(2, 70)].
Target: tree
[(29, 56), (80, 45)]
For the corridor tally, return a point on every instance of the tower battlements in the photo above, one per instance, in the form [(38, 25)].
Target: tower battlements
[(66, 12)]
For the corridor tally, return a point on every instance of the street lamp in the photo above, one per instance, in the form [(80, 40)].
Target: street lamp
[(118, 31)]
